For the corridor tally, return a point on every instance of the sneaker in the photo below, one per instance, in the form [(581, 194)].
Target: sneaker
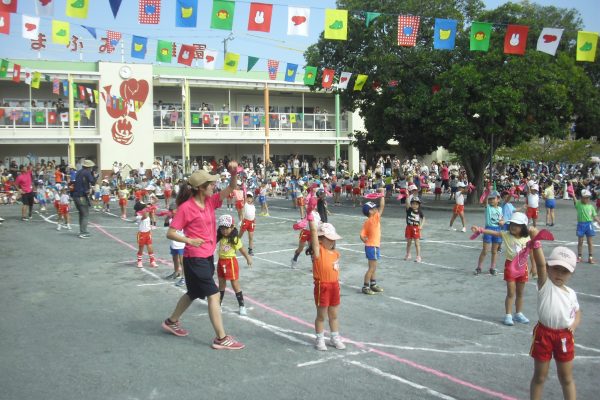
[(520, 318), (58, 227), (320, 344), (407, 257), (227, 343), (337, 342), (463, 229), (508, 320), (477, 271), (180, 282), (591, 260), (139, 264), (69, 227), (579, 259), (418, 259), (243, 311), (174, 275), (174, 328), (25, 219), (451, 229), (293, 263), (493, 272), (153, 264), (84, 236), (367, 290), (376, 288), (500, 250)]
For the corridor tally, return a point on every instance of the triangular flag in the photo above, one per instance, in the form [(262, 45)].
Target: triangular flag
[(444, 34), (27, 76), (114, 6), (549, 40), (163, 51), (336, 24), (310, 74), (8, 6), (360, 82), (272, 66), (77, 8), (515, 40), (186, 13), (327, 78), (259, 18), (16, 76), (298, 21), (344, 79), (231, 63), (44, 8), (91, 30), (149, 12), (210, 59), (251, 62), (88, 112), (587, 42), (3, 68), (139, 46), (55, 86), (186, 54), (31, 27), (36, 80), (408, 28), (47, 77), (60, 32), (5, 23), (370, 17), (290, 72), (222, 14), (480, 36)]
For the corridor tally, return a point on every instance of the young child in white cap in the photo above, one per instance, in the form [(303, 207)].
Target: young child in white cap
[(459, 207)]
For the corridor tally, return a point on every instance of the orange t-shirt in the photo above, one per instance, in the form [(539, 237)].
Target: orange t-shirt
[(372, 230), (326, 268), (58, 176)]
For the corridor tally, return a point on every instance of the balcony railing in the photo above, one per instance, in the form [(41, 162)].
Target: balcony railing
[(40, 117)]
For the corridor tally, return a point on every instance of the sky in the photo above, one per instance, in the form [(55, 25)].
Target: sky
[(274, 45)]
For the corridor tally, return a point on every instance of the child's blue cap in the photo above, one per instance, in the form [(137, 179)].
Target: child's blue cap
[(367, 207)]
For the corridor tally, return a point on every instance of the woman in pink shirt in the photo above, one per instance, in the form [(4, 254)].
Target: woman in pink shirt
[(24, 184), (196, 205)]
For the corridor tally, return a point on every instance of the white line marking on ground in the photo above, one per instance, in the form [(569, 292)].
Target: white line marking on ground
[(334, 357), (274, 330), (154, 284)]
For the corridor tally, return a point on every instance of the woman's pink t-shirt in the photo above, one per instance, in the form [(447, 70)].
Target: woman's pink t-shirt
[(24, 182), (198, 223)]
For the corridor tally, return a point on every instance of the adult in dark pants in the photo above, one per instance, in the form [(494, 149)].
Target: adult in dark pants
[(24, 184), (83, 181)]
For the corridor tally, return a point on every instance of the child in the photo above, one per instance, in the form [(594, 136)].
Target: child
[(515, 239), (326, 269), (168, 191), (533, 202), (493, 221), (123, 196), (97, 197), (63, 209), (586, 214), (303, 238), (41, 194), (459, 206), (370, 235), (248, 221), (176, 250), (559, 317), (262, 200), (414, 224), (322, 208), (438, 188), (105, 193), (144, 236), (550, 203), (454, 187), (227, 266), (301, 204)]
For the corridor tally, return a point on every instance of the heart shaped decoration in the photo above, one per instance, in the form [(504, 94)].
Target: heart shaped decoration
[(343, 79), (30, 26), (150, 9), (210, 59), (407, 30)]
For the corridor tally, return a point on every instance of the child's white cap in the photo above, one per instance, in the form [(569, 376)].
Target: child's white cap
[(586, 193), (519, 218), (535, 186), (564, 257), (225, 220), (328, 230), (461, 185), (412, 187)]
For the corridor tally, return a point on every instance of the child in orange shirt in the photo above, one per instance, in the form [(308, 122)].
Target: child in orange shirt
[(370, 234), (325, 260)]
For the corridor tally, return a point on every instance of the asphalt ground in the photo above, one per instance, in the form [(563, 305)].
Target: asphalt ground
[(80, 321)]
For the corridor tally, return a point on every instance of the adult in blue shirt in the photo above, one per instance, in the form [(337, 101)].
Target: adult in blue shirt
[(83, 181)]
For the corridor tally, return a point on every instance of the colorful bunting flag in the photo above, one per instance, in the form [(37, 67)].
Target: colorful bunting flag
[(327, 78), (226, 119), (259, 18), (231, 63), (298, 21), (210, 59), (26, 116), (27, 76), (5, 23), (52, 117), (31, 27), (251, 63), (77, 8), (113, 38), (360, 82), (81, 92), (206, 119), (186, 54), (139, 46), (548, 40), (60, 32), (444, 34), (64, 117), (88, 113), (222, 15), (344, 79), (163, 51), (114, 6), (370, 16), (149, 12), (310, 75), (9, 6), (40, 117), (76, 116), (293, 118), (272, 66), (480, 36), (55, 86), (587, 43), (44, 8), (408, 28), (186, 12), (96, 96), (3, 68), (65, 86), (336, 24), (290, 72), (91, 30), (515, 40), (36, 80), (90, 94), (16, 77)]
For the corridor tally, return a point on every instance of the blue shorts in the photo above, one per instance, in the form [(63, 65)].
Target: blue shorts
[(262, 199), (372, 252), (550, 203), (176, 252), (585, 229), (490, 238), (97, 195)]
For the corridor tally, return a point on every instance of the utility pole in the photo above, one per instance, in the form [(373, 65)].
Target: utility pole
[(228, 38)]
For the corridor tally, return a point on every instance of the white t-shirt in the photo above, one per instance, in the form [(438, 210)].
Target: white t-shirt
[(533, 200), (557, 306), (249, 212), (143, 224), (459, 198), (64, 199), (177, 245)]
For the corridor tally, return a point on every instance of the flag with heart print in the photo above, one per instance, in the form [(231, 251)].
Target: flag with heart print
[(549, 40), (260, 17), (44, 8), (5, 23), (149, 12), (272, 67), (290, 72), (186, 54), (515, 40), (31, 27), (210, 59), (408, 27), (344, 79), (9, 6), (27, 76), (298, 18), (327, 78)]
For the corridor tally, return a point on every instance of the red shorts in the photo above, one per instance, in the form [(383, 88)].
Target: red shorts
[(458, 209), (273, 184), (338, 189), (247, 225), (56, 204), (230, 195), (362, 185), (168, 194), (356, 190), (144, 238), (304, 235), (228, 269), (548, 342), (122, 202), (327, 294), (257, 191), (438, 190), (105, 198), (598, 203), (239, 204), (300, 201), (532, 213), (348, 188), (508, 274), (63, 209), (412, 232)]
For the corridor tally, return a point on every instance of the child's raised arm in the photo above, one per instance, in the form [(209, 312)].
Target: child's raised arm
[(314, 237), (540, 259), (381, 201)]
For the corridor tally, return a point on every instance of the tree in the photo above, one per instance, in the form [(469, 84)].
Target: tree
[(461, 99)]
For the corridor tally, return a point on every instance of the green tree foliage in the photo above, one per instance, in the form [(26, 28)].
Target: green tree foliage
[(565, 150), (463, 99)]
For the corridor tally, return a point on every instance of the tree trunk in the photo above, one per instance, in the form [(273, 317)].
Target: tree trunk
[(475, 167)]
